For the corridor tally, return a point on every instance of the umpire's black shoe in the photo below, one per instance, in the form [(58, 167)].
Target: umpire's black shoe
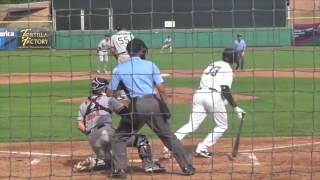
[(189, 170), (119, 174)]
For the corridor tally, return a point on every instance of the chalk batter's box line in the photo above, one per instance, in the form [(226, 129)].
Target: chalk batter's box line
[(68, 155)]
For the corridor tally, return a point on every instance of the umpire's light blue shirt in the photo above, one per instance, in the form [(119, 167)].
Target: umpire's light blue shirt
[(139, 77), (239, 46)]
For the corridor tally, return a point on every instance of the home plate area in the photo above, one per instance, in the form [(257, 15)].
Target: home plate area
[(280, 158)]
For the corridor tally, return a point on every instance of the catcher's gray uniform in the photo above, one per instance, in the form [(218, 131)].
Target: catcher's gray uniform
[(96, 113), (95, 119)]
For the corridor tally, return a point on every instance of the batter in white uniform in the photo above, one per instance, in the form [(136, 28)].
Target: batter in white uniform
[(214, 88), (119, 43), (102, 49)]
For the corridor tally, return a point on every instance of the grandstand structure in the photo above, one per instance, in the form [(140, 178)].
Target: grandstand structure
[(35, 14), (304, 11)]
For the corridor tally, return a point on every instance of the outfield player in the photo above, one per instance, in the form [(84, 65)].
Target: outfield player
[(215, 85), (95, 120), (167, 44), (103, 51), (119, 43), (240, 46)]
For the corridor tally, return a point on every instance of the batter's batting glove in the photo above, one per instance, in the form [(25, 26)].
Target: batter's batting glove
[(240, 112)]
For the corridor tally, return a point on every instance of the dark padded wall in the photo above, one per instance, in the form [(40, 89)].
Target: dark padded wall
[(149, 14)]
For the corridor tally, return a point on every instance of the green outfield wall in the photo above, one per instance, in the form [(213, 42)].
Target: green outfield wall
[(195, 38)]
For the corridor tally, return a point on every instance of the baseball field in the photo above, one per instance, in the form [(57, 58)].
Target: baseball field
[(41, 91)]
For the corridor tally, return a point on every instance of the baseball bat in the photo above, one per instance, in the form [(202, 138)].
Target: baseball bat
[(237, 141)]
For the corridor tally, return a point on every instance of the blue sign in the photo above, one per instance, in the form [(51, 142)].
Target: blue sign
[(8, 39)]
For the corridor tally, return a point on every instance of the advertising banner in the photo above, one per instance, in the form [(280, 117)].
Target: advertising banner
[(307, 34), (8, 39), (34, 38)]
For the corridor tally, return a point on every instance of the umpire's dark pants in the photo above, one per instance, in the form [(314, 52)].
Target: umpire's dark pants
[(146, 110), (241, 60)]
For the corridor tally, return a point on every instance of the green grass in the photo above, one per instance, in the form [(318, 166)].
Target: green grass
[(284, 107), (87, 60), (32, 112)]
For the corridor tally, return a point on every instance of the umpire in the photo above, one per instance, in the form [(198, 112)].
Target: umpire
[(240, 46), (142, 80)]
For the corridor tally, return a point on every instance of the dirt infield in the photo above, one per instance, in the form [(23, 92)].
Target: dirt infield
[(18, 78), (259, 158), (176, 95)]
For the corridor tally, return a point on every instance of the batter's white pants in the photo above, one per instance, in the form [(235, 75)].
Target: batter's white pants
[(204, 102)]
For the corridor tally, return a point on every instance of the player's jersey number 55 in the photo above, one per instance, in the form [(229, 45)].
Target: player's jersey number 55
[(123, 40)]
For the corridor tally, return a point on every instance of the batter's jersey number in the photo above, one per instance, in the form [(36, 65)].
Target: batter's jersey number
[(213, 70)]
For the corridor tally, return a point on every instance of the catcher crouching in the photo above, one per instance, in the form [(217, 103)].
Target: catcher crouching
[(95, 120)]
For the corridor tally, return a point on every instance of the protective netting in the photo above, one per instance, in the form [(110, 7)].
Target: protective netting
[(48, 55)]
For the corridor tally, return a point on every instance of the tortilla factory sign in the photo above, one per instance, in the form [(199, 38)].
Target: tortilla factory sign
[(31, 38)]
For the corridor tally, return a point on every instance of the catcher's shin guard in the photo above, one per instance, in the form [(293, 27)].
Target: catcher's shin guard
[(145, 154), (144, 148)]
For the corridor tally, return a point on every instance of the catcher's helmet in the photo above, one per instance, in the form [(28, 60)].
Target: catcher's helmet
[(98, 84), (136, 46), (230, 56)]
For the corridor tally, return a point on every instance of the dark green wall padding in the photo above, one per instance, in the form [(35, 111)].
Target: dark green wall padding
[(183, 38)]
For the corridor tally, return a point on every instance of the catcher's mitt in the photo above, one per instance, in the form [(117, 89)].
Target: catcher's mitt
[(86, 165), (89, 164)]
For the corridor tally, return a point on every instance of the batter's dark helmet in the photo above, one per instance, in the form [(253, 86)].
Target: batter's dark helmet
[(136, 46), (98, 84), (231, 56)]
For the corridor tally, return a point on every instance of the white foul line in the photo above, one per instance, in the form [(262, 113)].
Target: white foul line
[(33, 153), (255, 160), (66, 155), (279, 147)]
